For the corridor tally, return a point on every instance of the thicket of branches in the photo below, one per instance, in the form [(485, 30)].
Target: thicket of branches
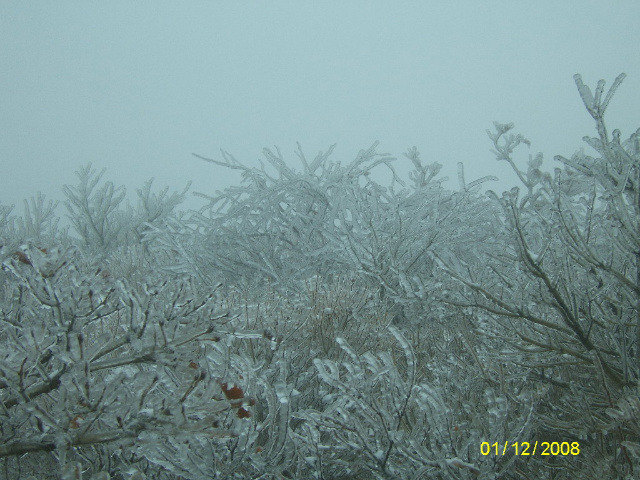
[(312, 323)]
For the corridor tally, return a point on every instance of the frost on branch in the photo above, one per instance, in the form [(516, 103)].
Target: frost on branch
[(288, 226), (384, 421), (313, 323), (95, 357), (562, 293), (94, 211)]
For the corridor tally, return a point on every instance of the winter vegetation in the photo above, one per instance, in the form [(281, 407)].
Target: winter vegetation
[(313, 323)]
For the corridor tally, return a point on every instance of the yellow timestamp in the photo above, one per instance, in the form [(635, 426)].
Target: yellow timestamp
[(531, 448)]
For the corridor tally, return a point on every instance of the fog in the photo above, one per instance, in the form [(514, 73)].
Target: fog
[(137, 88)]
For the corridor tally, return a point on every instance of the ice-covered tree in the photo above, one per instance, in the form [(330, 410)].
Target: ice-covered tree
[(97, 355), (564, 290), (314, 323)]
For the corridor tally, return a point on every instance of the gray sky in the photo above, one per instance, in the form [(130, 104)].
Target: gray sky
[(136, 87)]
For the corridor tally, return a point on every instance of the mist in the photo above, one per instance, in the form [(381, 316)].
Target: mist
[(137, 88)]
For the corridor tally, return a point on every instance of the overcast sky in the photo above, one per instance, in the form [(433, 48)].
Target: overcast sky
[(136, 87)]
